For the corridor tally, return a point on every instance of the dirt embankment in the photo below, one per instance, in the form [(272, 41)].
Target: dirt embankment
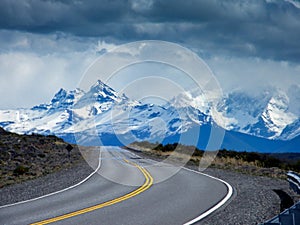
[(26, 157)]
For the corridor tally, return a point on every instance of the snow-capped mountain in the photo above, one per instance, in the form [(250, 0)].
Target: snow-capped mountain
[(100, 98), (291, 131), (102, 112), (265, 115)]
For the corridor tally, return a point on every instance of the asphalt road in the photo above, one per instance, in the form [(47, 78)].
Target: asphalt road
[(126, 189)]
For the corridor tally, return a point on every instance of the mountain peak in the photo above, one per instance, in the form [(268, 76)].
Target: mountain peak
[(267, 114), (61, 94), (102, 91), (99, 85), (63, 99)]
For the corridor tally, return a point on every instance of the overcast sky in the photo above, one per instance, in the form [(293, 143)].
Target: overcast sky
[(45, 45)]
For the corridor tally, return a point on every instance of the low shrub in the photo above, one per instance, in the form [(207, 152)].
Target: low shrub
[(20, 170)]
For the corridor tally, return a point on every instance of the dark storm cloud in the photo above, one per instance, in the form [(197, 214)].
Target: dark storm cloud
[(268, 29), (48, 16)]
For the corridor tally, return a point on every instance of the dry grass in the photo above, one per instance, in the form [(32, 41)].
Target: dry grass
[(211, 159)]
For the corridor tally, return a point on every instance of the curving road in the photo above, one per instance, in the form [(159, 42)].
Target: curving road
[(126, 189)]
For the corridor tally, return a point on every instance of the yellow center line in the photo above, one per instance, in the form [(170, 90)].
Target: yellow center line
[(147, 184)]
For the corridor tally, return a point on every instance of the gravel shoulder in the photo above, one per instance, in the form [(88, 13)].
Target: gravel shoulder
[(52, 182), (253, 202), (44, 185)]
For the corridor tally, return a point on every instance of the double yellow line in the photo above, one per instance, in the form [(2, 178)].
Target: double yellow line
[(147, 184)]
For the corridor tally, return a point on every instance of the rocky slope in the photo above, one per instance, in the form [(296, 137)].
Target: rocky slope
[(24, 157)]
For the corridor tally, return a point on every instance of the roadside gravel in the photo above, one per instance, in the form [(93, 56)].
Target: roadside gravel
[(254, 200), (44, 185)]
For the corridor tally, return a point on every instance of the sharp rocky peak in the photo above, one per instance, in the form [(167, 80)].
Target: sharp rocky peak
[(99, 86), (63, 98), (62, 93)]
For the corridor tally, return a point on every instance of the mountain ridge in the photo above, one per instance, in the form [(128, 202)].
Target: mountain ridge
[(104, 112)]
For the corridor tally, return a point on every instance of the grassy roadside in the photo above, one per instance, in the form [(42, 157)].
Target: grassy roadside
[(252, 163), (25, 157)]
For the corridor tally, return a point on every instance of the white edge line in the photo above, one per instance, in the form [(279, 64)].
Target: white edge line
[(298, 186), (214, 208), (217, 206), (60, 191)]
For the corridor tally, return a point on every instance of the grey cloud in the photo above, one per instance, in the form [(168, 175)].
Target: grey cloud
[(267, 29)]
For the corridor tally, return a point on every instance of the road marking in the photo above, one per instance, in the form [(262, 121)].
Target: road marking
[(147, 184), (217, 206), (214, 208)]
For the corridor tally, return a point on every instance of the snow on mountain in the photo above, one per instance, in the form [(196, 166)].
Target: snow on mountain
[(196, 100), (265, 115), (99, 99), (18, 120), (142, 121), (64, 100), (291, 131), (44, 118), (240, 109), (271, 114), (276, 115)]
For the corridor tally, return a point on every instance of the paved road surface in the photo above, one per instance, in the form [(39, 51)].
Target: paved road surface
[(126, 190)]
